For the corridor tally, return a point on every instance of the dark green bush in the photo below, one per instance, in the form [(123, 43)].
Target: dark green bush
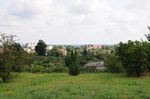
[(113, 65), (74, 69), (5, 76)]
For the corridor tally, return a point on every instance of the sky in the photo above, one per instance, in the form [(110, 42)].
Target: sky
[(75, 21)]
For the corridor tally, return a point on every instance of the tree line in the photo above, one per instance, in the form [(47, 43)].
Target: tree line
[(132, 58)]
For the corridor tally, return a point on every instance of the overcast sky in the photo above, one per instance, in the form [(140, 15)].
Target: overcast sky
[(75, 21)]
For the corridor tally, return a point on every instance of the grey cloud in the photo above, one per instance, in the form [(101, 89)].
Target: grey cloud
[(75, 21), (82, 7), (19, 9)]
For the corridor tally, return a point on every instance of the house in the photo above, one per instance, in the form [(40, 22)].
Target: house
[(30, 47), (100, 66), (48, 48), (90, 47), (63, 51)]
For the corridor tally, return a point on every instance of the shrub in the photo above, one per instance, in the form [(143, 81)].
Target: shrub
[(74, 69), (6, 76), (113, 64), (59, 69), (36, 68), (49, 69), (47, 64)]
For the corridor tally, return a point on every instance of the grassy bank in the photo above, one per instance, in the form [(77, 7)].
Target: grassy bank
[(84, 86)]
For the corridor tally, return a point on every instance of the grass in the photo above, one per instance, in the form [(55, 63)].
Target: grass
[(84, 86)]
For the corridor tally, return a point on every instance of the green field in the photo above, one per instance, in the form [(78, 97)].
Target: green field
[(84, 86)]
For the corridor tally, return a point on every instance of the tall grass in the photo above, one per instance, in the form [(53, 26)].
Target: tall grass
[(84, 86)]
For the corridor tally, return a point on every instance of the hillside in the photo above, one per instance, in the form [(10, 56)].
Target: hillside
[(84, 86)]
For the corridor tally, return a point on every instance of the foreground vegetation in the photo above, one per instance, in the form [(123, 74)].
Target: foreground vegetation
[(84, 86), (131, 58)]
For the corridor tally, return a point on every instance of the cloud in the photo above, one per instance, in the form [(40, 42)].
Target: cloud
[(75, 21), (28, 8), (81, 7)]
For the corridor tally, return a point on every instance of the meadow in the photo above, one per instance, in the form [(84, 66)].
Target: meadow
[(84, 86)]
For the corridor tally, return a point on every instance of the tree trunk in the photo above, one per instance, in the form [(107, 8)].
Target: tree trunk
[(4, 79)]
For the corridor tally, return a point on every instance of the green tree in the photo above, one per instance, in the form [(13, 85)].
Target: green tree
[(41, 48), (21, 58), (133, 56), (74, 68), (148, 45), (55, 52), (148, 35), (113, 64), (69, 48), (7, 56), (85, 52), (68, 60)]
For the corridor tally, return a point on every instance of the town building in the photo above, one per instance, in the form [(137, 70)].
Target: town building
[(93, 46), (100, 66), (30, 47)]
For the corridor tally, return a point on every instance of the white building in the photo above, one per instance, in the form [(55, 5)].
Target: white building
[(30, 47), (93, 46), (49, 47)]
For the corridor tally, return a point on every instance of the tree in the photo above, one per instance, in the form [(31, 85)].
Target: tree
[(133, 56), (7, 56), (21, 58), (55, 52), (147, 49), (68, 60), (12, 56), (69, 48), (41, 48), (85, 52), (113, 64), (148, 45), (148, 35), (74, 68)]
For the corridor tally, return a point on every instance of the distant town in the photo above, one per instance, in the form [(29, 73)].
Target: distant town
[(30, 47)]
